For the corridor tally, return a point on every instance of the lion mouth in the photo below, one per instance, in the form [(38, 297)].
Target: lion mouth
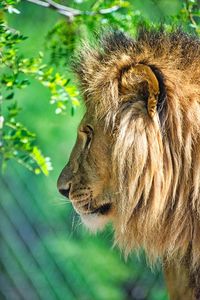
[(103, 209), (87, 209)]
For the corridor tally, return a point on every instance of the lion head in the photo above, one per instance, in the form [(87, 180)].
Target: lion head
[(136, 161), (86, 179)]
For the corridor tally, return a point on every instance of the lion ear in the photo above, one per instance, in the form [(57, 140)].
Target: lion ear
[(141, 74)]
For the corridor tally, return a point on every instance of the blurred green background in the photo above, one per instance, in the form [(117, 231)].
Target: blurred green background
[(45, 253)]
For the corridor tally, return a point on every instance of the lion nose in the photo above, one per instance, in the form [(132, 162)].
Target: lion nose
[(64, 182), (64, 192), (64, 189)]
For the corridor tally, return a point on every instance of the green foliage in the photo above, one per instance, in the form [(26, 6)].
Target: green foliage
[(16, 142), (18, 70), (7, 5), (66, 35), (189, 16)]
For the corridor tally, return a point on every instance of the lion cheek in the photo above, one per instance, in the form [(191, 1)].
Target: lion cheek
[(94, 222)]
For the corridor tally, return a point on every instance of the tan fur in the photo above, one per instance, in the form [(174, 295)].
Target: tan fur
[(155, 160)]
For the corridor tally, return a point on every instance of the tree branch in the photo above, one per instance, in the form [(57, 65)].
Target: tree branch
[(63, 8), (42, 3), (72, 12)]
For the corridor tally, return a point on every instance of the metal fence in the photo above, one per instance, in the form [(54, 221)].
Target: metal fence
[(41, 258)]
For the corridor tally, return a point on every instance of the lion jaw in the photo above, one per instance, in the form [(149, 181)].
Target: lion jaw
[(94, 222)]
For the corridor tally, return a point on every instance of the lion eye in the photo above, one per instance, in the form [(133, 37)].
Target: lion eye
[(88, 130)]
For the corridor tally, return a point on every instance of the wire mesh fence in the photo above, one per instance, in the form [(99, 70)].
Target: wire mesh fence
[(42, 259)]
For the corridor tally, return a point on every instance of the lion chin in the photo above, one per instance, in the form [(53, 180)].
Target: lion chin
[(94, 222)]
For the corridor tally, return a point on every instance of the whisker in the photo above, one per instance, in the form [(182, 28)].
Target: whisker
[(64, 199), (79, 223), (60, 204), (60, 201), (73, 221)]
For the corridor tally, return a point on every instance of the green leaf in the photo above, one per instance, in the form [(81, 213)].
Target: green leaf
[(10, 96)]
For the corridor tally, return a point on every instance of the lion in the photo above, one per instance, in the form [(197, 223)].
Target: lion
[(136, 161)]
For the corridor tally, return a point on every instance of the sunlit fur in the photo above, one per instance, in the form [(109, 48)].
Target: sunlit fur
[(155, 161)]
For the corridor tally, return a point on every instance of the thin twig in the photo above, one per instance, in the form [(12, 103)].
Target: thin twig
[(72, 12), (63, 7), (41, 3), (109, 10), (190, 14), (63, 10)]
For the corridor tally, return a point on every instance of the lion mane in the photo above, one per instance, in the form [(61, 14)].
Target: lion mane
[(156, 157)]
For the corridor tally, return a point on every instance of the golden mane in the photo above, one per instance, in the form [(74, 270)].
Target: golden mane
[(156, 161)]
